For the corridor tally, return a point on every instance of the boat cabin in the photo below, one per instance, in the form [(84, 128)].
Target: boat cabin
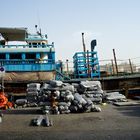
[(21, 51)]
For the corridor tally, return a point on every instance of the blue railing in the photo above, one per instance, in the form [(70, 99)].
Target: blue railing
[(28, 46), (28, 65), (86, 65)]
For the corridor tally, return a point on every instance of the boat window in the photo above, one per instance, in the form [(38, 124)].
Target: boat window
[(2, 56), (30, 45), (43, 45), (2, 42), (15, 56), (31, 56), (35, 45)]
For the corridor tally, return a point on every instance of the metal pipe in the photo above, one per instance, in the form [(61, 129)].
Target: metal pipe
[(112, 67), (130, 66), (83, 41), (67, 66), (84, 52), (115, 61), (88, 66)]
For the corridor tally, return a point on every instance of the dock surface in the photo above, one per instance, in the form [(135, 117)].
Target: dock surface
[(112, 123)]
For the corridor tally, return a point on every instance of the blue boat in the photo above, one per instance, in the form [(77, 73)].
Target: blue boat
[(25, 56)]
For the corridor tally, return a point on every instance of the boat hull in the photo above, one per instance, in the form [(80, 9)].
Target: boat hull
[(29, 76)]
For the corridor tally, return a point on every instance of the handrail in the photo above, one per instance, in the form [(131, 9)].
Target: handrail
[(27, 46), (61, 76), (29, 61)]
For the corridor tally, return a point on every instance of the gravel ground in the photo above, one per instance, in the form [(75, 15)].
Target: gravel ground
[(112, 123)]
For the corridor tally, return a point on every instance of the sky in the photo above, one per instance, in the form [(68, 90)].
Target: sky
[(115, 24)]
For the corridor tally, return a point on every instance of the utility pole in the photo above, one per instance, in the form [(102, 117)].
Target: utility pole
[(130, 66), (112, 67), (115, 61), (84, 48), (2, 74), (67, 66), (83, 41), (84, 52), (88, 65)]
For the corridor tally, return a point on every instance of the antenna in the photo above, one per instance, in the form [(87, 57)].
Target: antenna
[(38, 32), (38, 18), (36, 27)]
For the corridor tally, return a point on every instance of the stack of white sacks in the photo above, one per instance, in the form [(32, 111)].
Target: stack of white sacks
[(67, 98), (33, 90)]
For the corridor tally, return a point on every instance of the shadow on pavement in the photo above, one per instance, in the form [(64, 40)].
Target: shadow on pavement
[(22, 111), (130, 110)]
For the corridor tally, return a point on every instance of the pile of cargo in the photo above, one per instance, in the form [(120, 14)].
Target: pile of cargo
[(33, 91), (56, 97), (42, 121), (115, 97)]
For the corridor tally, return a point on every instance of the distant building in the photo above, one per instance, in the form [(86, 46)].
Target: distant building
[(122, 67)]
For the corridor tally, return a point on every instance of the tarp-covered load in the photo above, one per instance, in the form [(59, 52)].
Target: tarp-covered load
[(57, 97)]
